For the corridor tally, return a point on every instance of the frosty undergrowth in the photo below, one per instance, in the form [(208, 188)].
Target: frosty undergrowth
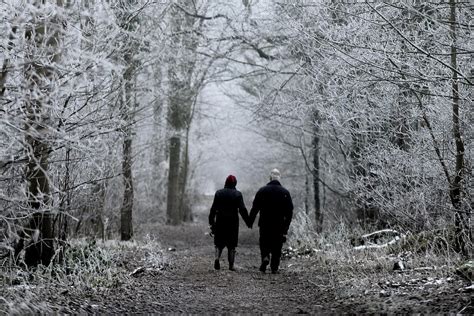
[(85, 265), (334, 249)]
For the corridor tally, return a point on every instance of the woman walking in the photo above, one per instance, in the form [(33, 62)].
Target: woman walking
[(224, 220)]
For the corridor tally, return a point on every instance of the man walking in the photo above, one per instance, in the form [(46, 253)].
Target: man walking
[(224, 220), (274, 203)]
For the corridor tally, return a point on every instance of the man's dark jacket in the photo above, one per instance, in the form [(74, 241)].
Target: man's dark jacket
[(224, 216), (274, 203)]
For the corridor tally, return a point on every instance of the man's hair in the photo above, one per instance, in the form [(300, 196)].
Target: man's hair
[(275, 174)]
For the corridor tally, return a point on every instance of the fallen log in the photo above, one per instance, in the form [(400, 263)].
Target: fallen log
[(372, 240)]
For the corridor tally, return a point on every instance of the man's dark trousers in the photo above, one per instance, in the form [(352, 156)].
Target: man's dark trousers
[(271, 243)]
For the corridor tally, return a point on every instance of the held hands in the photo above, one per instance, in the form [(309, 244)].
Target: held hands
[(249, 223)]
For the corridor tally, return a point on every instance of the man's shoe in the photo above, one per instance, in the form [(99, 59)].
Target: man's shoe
[(264, 265), (217, 265), (275, 271)]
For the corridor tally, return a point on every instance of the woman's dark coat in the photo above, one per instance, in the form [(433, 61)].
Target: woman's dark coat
[(224, 216)]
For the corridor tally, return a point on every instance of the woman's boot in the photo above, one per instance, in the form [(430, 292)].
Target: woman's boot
[(217, 265), (231, 257)]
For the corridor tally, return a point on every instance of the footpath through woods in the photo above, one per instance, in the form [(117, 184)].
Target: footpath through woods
[(188, 282), (173, 273), (307, 284)]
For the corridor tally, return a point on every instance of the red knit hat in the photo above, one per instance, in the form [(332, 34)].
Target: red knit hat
[(231, 181)]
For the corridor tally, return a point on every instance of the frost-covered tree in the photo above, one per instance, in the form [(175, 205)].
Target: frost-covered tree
[(42, 53), (375, 86), (69, 95), (128, 21), (189, 66)]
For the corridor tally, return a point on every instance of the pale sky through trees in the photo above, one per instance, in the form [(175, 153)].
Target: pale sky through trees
[(227, 144)]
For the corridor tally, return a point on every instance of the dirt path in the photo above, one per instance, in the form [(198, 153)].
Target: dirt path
[(177, 276), (189, 284)]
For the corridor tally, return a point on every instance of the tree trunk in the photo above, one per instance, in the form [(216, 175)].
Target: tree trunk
[(38, 73), (160, 125), (126, 9), (316, 173), (185, 209), (172, 209), (40, 226), (6, 61), (126, 223), (61, 219), (456, 184), (308, 200), (181, 95)]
